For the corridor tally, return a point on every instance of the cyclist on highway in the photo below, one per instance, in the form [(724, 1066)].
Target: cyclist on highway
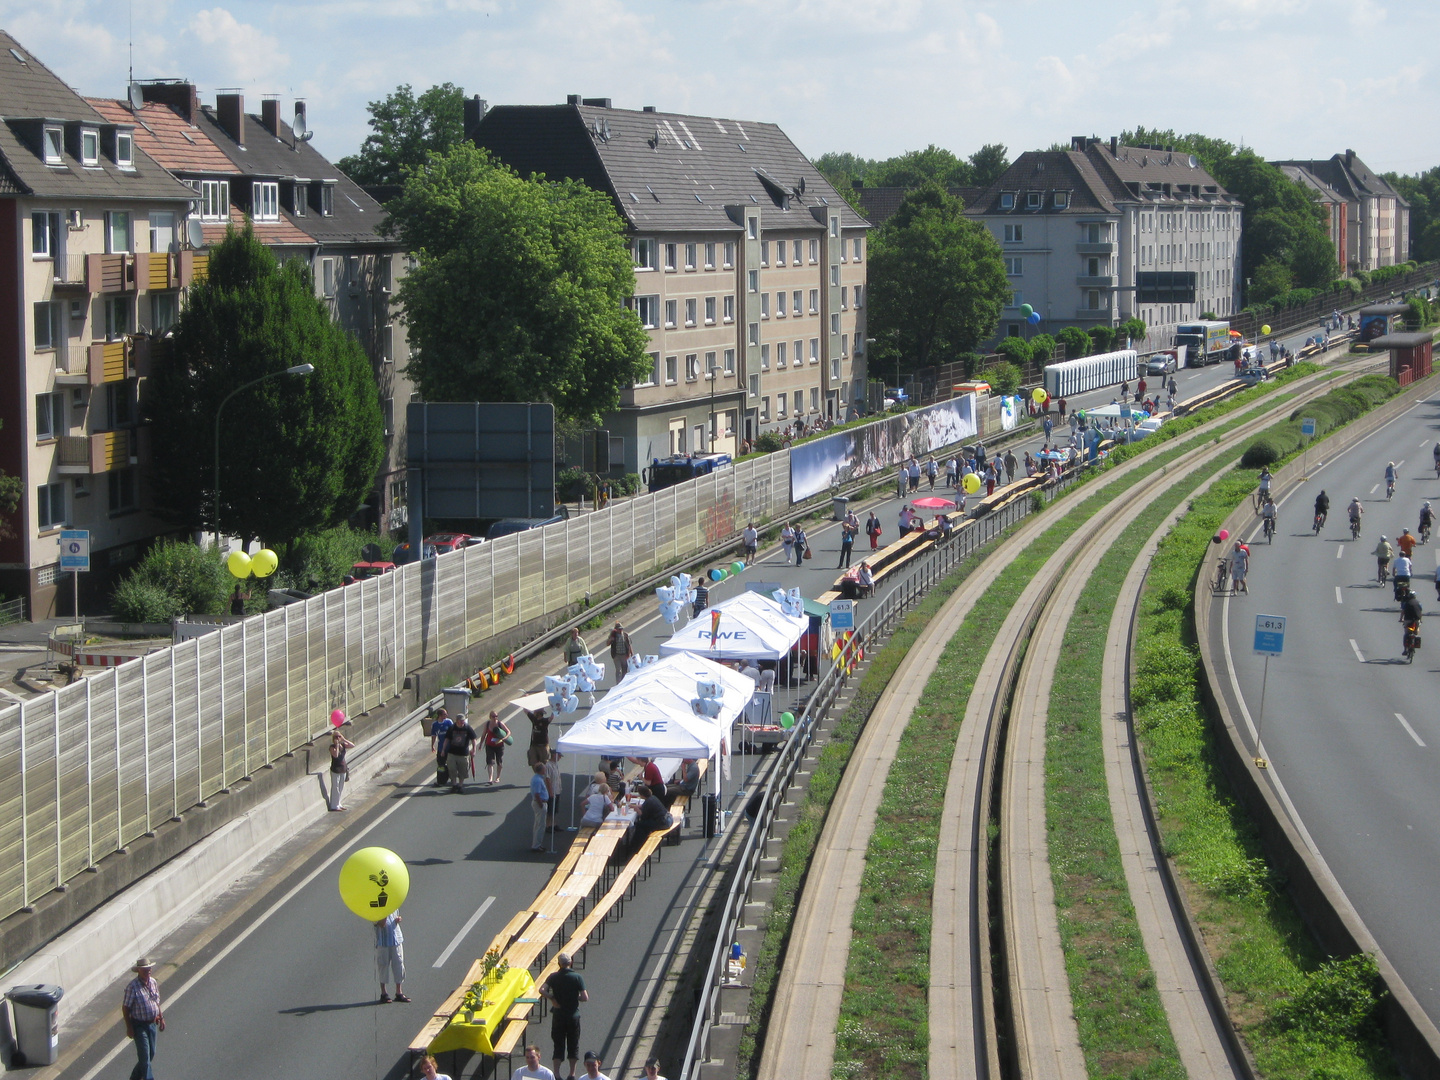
[(1383, 554), (1265, 479), (1322, 509), (1427, 522), (1355, 510), (1267, 515), (1436, 453), (1400, 568), (1406, 543), (1411, 612), (1389, 479)]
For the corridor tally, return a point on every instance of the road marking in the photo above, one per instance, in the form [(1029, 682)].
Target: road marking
[(1374, 489), (124, 1044), (1399, 463), (1338, 598), (1423, 443), (1358, 654), (1406, 725), (1340, 552), (469, 925)]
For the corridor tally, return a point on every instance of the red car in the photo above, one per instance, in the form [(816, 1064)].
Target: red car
[(445, 543)]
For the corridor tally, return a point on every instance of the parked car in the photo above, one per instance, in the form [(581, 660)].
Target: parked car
[(447, 542), (402, 553), (506, 526), (362, 570), (278, 598), (1160, 364)]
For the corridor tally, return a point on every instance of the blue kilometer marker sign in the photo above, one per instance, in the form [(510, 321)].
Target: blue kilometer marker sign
[(1270, 634)]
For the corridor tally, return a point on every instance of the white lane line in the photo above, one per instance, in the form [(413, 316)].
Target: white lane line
[(1406, 725), (1399, 463), (1358, 654), (1423, 443), (345, 849), (1340, 552), (1374, 489), (1338, 598), (469, 925)]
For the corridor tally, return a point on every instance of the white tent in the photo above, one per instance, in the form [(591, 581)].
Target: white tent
[(752, 627), (650, 713)]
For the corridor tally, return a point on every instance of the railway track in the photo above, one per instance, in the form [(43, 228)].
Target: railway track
[(997, 772)]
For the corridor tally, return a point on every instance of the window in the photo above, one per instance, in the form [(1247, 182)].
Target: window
[(689, 256), (215, 200), (1016, 299), (765, 306), (709, 256), (795, 300), (50, 509), (814, 251), (844, 350), (53, 143), (653, 375), (1033, 200), (814, 301), (265, 201), (1097, 234), (671, 309), (782, 405), (835, 322), (834, 369), (798, 355), (780, 305), (327, 208), (780, 355), (89, 146), (1062, 200), (327, 276), (1007, 200), (835, 275), (117, 231), (765, 252), (754, 389), (49, 415), (844, 298), (1012, 329), (753, 280), (297, 199), (671, 367), (47, 325), (857, 297), (692, 366), (45, 234), (799, 402), (1014, 234), (648, 308), (1014, 267), (690, 312), (122, 490), (669, 256), (814, 350), (710, 365), (163, 312), (729, 361), (764, 410), (754, 336), (117, 317), (834, 226), (765, 356), (709, 311), (729, 309), (729, 256), (858, 249), (120, 408), (644, 253), (162, 230), (752, 228)]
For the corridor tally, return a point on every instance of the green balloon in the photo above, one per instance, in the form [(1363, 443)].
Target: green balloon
[(736, 566), (787, 720), (1026, 310)]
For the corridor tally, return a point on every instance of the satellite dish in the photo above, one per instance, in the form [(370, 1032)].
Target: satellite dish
[(194, 234), (137, 97), (371, 553), (300, 128), (1194, 161)]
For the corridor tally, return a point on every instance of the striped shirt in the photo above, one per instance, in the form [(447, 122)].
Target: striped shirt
[(387, 932), (142, 1000)]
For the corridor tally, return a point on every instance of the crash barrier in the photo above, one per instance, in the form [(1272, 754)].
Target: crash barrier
[(92, 767)]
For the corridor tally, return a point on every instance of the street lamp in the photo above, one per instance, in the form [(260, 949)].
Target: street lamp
[(297, 369)]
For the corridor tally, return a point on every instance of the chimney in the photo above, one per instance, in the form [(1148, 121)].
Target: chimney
[(597, 102), (1349, 158), (572, 99), (270, 114), (474, 112), (230, 111), (1077, 142), (1114, 146), (178, 95), (647, 108)]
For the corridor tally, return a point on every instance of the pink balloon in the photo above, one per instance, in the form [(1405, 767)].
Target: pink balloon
[(337, 717), (1224, 534)]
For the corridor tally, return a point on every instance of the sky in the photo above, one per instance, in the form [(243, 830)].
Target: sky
[(1291, 78)]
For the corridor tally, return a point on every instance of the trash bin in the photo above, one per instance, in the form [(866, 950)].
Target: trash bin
[(457, 701), (37, 1023), (839, 505)]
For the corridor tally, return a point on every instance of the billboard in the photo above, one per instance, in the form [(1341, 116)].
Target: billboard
[(817, 465), (482, 459)]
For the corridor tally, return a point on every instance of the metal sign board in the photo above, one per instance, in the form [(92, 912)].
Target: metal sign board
[(1270, 634), (74, 549), (1307, 427), (482, 459), (842, 615)]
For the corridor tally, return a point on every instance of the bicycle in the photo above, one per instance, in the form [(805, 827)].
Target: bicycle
[(1355, 528), (1425, 534), (1384, 568), (1410, 642), (1319, 522), (1222, 576), (1389, 489), (1269, 530)]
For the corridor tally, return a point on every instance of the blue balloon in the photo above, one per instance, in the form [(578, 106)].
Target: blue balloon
[(1034, 319)]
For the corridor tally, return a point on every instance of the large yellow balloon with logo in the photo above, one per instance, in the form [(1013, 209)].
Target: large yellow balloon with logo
[(1265, 329), (264, 562), (971, 483), (238, 563), (1038, 395), (374, 882)]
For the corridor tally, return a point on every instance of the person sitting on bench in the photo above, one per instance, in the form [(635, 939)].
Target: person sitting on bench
[(865, 580)]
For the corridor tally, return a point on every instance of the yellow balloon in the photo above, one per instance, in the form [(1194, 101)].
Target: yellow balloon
[(264, 562), (374, 882), (238, 563), (1039, 395), (1265, 329), (971, 483)]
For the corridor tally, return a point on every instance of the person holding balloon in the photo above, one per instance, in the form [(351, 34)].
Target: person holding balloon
[(339, 771), (390, 956)]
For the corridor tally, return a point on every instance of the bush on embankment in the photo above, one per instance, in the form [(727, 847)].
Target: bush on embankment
[(1331, 411)]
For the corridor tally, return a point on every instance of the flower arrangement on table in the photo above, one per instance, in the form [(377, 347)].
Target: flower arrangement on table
[(495, 969)]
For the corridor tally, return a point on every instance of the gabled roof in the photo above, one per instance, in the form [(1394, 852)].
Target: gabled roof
[(667, 171), (1305, 177), (31, 93), (1128, 169), (1049, 171), (281, 233), (1349, 176), (881, 203), (166, 137)]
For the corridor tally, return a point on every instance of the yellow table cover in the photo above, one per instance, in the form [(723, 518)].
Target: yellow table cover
[(499, 997)]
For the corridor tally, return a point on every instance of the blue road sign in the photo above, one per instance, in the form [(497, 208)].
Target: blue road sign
[(1307, 427), (842, 614), (74, 549), (1270, 634)]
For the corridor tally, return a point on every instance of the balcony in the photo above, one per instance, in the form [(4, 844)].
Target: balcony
[(1105, 314), (109, 362), (72, 364), (110, 273), (1104, 281), (102, 452), (69, 270), (72, 455), (158, 270), (1104, 247)]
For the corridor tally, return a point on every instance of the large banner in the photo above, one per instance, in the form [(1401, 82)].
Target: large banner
[(848, 455)]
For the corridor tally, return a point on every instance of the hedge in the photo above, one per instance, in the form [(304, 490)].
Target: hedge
[(1334, 409)]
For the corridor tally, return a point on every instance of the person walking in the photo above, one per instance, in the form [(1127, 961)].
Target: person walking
[(1239, 567), (390, 956), (339, 771), (460, 752), (914, 474), (989, 480), (553, 782), (1140, 389), (902, 480), (787, 535), (575, 647), (592, 1067), (952, 469), (533, 1070), (873, 530), (1049, 426), (802, 544), (849, 528), (620, 651), (495, 734), (751, 539), (144, 1019), (539, 807), (565, 990), (932, 471), (439, 728), (1010, 466)]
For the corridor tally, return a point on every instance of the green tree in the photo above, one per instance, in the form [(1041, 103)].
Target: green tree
[(407, 129), (1076, 342), (1422, 192), (1133, 329), (1015, 349), (11, 490), (844, 167), (1103, 337), (937, 281), (933, 165), (1042, 348), (987, 163), (520, 289), (1271, 279), (297, 453)]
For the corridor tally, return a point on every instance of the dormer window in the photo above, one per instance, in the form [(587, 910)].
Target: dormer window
[(54, 146), (1007, 200), (265, 201), (89, 146), (214, 200), (1062, 200), (327, 200), (125, 149), (1032, 200)]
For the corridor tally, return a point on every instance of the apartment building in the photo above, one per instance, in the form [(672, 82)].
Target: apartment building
[(1335, 207), (1377, 219), (93, 271), (749, 268), (1102, 232), (244, 165)]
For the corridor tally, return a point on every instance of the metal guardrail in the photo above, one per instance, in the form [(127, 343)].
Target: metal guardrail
[(12, 611), (887, 611)]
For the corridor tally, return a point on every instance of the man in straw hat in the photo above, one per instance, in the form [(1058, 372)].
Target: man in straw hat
[(143, 1018)]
